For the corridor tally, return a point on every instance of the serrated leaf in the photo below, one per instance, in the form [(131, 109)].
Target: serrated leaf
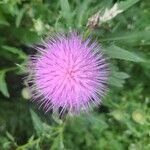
[(16, 51), (37, 123), (114, 51), (3, 85)]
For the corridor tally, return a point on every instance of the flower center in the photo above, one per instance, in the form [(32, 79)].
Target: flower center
[(69, 74)]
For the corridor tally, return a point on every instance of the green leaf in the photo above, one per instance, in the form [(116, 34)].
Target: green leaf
[(37, 123), (116, 82), (124, 5), (137, 35), (65, 10), (10, 136), (58, 143), (15, 50), (114, 51), (19, 16), (117, 79), (3, 85), (3, 20), (31, 139), (82, 10), (120, 75), (25, 36)]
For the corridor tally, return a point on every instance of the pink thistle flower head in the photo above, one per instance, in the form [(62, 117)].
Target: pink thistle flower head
[(68, 73)]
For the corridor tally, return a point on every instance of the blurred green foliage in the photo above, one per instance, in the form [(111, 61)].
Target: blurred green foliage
[(122, 121)]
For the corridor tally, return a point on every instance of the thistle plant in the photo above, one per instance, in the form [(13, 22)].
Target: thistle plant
[(68, 74)]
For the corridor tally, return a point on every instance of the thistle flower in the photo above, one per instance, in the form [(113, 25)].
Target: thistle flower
[(68, 73)]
